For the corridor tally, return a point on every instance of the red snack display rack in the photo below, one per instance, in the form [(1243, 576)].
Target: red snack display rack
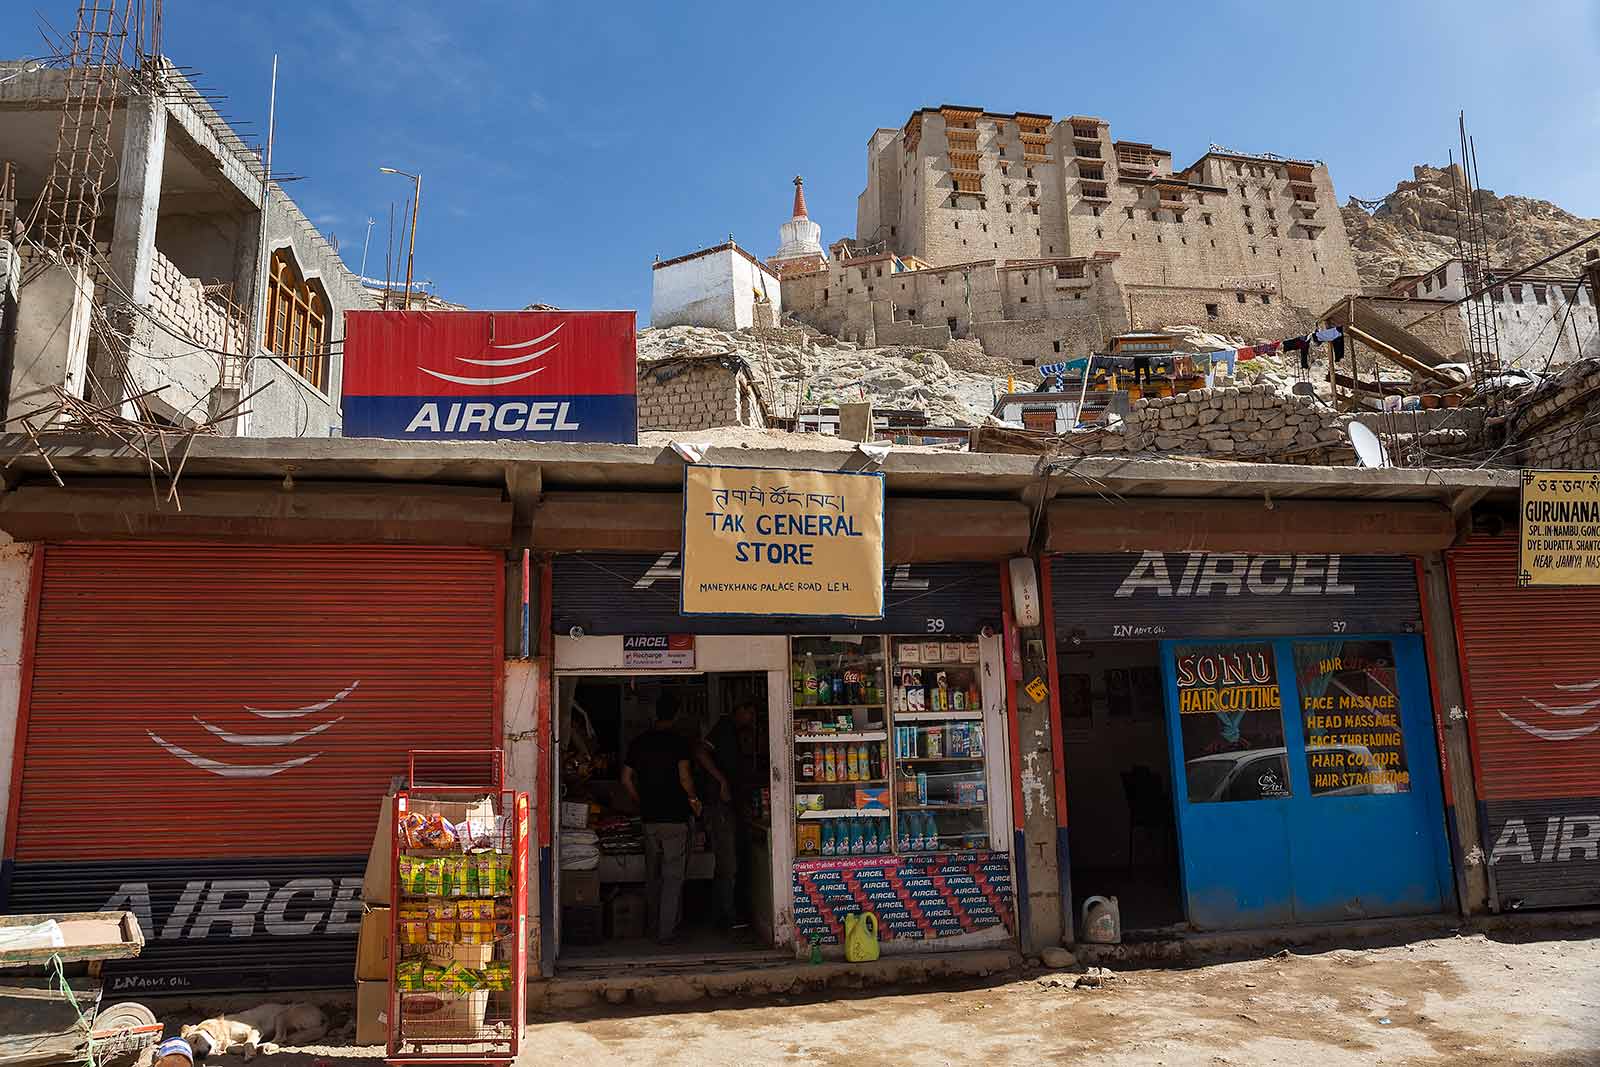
[(459, 863)]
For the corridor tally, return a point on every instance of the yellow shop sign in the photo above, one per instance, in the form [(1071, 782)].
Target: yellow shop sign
[(1560, 528), (782, 542)]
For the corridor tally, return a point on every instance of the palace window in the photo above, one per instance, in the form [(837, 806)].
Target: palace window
[(297, 320)]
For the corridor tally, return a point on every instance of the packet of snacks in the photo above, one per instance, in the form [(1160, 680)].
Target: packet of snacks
[(426, 831), (442, 922), (453, 875), (408, 975), (460, 979), (497, 975)]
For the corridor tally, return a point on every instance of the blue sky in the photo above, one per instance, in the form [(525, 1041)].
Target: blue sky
[(565, 145)]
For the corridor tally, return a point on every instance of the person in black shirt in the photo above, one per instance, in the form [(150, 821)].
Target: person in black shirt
[(656, 776)]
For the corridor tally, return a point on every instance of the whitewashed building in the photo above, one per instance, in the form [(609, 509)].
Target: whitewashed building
[(1540, 318), (723, 286)]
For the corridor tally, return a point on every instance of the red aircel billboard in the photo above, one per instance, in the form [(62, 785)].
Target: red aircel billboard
[(491, 375)]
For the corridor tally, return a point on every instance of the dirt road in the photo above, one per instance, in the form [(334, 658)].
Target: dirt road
[(1464, 1000)]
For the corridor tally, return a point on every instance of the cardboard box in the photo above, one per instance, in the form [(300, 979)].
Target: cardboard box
[(580, 888), (443, 1015), (375, 887), (474, 956), (625, 914), (372, 1013), (872, 798), (372, 946)]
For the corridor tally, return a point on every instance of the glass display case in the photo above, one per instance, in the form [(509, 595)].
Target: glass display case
[(941, 800), (889, 749), (841, 736)]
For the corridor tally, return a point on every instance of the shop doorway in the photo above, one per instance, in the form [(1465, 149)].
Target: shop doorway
[(1122, 831), (610, 908)]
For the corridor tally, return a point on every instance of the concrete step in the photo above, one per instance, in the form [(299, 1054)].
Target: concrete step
[(652, 984)]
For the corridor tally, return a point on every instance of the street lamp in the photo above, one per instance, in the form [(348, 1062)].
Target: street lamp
[(416, 203)]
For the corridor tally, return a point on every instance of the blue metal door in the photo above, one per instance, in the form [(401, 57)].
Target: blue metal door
[(1308, 786)]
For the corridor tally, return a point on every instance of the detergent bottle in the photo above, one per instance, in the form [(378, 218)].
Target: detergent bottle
[(861, 937), (1102, 921)]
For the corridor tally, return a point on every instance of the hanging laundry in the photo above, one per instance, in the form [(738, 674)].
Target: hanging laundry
[(1305, 360), (1297, 344), (1268, 348), (1246, 352), (1225, 358), (1338, 348), (1332, 333)]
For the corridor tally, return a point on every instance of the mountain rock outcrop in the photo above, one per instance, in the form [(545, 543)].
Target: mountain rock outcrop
[(1415, 228)]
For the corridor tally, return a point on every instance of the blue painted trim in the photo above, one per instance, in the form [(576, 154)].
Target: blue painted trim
[(599, 417), (549, 913), (1064, 871), (1019, 864)]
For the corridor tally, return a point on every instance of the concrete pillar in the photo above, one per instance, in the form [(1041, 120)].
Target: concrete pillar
[(51, 346), (133, 237), (1040, 907), (16, 590), (1450, 712)]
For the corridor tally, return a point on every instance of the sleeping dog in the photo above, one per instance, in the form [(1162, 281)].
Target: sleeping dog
[(261, 1029)]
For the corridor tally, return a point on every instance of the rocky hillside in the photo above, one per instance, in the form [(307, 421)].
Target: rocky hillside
[(798, 367), (1416, 228)]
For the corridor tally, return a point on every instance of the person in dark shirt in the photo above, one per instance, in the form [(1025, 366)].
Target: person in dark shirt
[(656, 776)]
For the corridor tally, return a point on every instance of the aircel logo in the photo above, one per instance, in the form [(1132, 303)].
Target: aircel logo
[(244, 907), (1565, 838), (1233, 574), (507, 416)]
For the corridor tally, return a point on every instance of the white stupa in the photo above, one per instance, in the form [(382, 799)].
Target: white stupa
[(799, 239)]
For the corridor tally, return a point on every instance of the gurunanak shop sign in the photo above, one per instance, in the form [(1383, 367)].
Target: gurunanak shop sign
[(782, 542), (1560, 528)]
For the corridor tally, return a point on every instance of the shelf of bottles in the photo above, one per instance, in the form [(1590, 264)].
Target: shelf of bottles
[(841, 746), (941, 776), (888, 748)]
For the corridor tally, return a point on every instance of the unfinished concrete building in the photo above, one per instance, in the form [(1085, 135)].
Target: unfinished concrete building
[(1045, 236), (202, 280)]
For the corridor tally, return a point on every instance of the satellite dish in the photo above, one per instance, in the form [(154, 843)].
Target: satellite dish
[(1368, 448)]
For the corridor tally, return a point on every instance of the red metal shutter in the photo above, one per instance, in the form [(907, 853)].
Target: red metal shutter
[(1531, 659), (211, 730)]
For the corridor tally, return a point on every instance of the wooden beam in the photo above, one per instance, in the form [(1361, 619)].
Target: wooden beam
[(919, 530), (261, 511), (1286, 526), (1390, 352)]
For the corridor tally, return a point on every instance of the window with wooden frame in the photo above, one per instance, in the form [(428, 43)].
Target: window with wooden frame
[(297, 321)]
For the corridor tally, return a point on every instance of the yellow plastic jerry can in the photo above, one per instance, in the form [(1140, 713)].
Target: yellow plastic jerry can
[(861, 937)]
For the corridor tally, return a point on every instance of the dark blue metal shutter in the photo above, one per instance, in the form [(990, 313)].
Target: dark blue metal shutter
[(614, 594), (1152, 595)]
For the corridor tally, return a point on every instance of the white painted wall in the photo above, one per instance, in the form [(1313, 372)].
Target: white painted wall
[(16, 570), (1527, 328), (696, 292), (718, 290)]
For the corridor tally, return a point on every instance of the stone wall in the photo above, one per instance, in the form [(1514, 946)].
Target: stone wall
[(1555, 427), (698, 394), (1262, 314), (1241, 422)]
